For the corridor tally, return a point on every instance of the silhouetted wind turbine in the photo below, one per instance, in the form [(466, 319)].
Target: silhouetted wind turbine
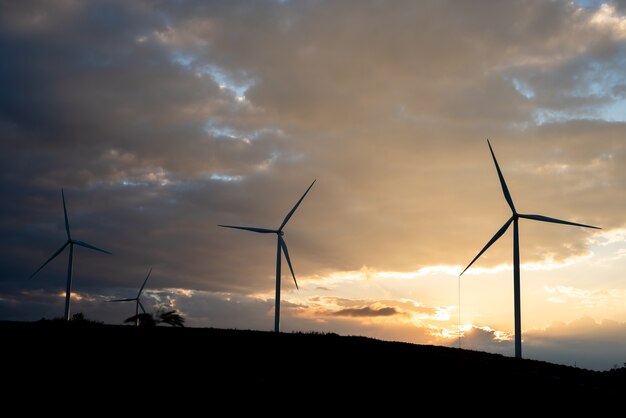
[(280, 246), (71, 242), (516, 263), (136, 299)]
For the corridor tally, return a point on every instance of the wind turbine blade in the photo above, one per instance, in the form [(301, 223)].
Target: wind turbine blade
[(294, 208), (144, 283), (555, 221), (505, 189), (498, 234), (251, 228), (122, 300), (67, 222), (84, 244), (50, 259), (141, 306), (283, 245)]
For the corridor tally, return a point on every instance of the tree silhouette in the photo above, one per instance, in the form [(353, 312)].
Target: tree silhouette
[(148, 320), (172, 318)]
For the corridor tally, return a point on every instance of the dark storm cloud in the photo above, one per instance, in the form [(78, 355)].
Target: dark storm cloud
[(89, 105), (138, 109)]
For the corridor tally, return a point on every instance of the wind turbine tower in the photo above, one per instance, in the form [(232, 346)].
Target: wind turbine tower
[(515, 216), (281, 245), (138, 303), (71, 242)]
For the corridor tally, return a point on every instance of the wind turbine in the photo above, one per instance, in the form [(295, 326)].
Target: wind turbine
[(136, 299), (71, 242), (516, 263), (281, 245)]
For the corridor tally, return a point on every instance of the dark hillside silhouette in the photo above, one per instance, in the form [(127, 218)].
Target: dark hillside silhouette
[(305, 364)]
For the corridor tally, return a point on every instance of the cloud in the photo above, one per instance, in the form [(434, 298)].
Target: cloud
[(608, 18), (584, 342), (360, 308), (485, 338), (366, 311), (158, 130), (586, 297), (37, 303)]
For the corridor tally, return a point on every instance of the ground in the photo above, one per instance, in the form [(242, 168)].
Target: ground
[(204, 362)]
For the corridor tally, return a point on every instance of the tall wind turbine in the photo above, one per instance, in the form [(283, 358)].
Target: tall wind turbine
[(71, 242), (281, 245), (516, 263), (136, 299)]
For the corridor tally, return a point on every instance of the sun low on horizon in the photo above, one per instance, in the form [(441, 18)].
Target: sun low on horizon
[(162, 120)]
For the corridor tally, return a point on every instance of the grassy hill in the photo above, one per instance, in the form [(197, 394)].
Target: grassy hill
[(257, 362)]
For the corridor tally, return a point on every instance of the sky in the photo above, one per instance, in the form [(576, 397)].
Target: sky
[(163, 119)]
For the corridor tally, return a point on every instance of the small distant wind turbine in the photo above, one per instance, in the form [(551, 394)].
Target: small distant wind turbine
[(136, 299), (71, 242), (280, 246), (516, 261)]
